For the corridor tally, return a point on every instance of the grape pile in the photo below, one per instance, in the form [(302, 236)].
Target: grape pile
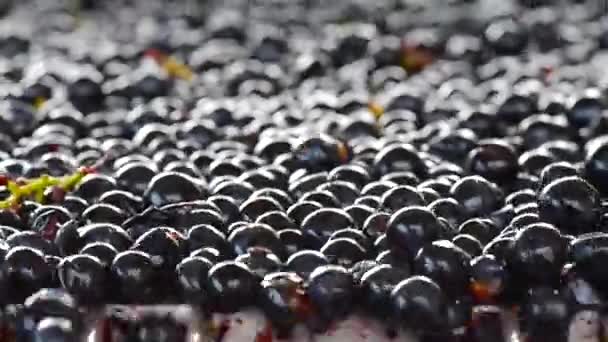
[(303, 170)]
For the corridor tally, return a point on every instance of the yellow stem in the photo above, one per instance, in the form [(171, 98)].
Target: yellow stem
[(177, 69), (37, 187)]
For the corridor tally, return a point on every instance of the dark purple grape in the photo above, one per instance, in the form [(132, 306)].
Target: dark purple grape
[(446, 264), (191, 275), (173, 187), (231, 286), (260, 261), (85, 277), (305, 262), (411, 228), (418, 303), (27, 272), (136, 274), (571, 204), (538, 254), (283, 300), (331, 291), (377, 285)]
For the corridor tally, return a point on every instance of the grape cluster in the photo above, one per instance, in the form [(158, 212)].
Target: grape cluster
[(304, 170)]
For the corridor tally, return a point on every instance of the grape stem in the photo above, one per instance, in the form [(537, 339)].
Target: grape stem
[(35, 187), (171, 65)]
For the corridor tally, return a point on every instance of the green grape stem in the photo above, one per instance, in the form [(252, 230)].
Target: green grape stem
[(37, 186)]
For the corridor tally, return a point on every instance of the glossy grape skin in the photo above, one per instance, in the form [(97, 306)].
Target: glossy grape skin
[(53, 302), (496, 161), (538, 254), (571, 204), (343, 251), (391, 148), (319, 225), (590, 270), (293, 240), (305, 262), (231, 286), (205, 235), (446, 264), (584, 245), (164, 245), (331, 291), (376, 286), (172, 187), (449, 209), (27, 272), (375, 225), (419, 303), (546, 313), (137, 276), (32, 240), (5, 281), (477, 195), (252, 208), (283, 300), (86, 94), (134, 177), (482, 229), (321, 153), (85, 277), (399, 158), (92, 186), (489, 278), (556, 171), (300, 210), (469, 244), (256, 235), (55, 329), (191, 275), (102, 251), (410, 228), (595, 166), (400, 197), (260, 261), (105, 232)]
